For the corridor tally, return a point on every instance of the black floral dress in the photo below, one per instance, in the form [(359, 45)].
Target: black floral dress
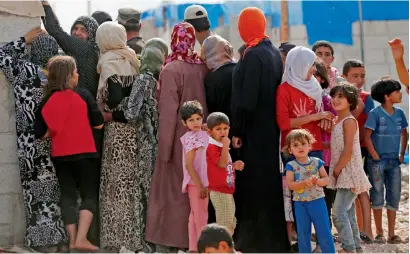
[(44, 225)]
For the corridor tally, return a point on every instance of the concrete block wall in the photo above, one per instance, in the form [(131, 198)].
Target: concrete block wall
[(12, 219)]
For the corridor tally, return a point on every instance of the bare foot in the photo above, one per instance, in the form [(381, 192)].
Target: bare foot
[(84, 245)]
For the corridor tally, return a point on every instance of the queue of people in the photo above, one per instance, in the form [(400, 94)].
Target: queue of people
[(124, 143)]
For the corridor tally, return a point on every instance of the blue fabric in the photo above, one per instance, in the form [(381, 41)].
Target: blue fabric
[(313, 212), (386, 129), (344, 219), (368, 105), (385, 177)]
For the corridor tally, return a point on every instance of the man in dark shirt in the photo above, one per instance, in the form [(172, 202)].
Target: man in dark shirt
[(197, 16), (131, 20)]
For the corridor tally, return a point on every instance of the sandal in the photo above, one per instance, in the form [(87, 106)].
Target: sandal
[(395, 240), (341, 250), (380, 239), (365, 238)]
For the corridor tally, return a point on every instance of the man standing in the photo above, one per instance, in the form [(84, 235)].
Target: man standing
[(131, 20), (197, 16)]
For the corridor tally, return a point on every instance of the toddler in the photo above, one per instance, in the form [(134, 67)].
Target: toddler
[(194, 144), (306, 176), (346, 166), (221, 170)]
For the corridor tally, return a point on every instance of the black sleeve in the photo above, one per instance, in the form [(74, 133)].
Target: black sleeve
[(118, 116), (114, 92), (40, 126), (210, 92), (94, 114), (69, 44)]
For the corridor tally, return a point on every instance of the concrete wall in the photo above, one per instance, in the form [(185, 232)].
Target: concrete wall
[(12, 219)]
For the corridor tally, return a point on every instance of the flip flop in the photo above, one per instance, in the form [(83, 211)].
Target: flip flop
[(380, 239), (365, 238), (395, 240)]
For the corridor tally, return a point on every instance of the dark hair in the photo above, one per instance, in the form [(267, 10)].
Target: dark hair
[(131, 25), (323, 44), (60, 70), (349, 91), (199, 24), (384, 86), (212, 235), (352, 63), (190, 108), (297, 135), (216, 119), (321, 71)]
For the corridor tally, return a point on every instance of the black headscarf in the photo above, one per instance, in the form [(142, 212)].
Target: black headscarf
[(43, 48)]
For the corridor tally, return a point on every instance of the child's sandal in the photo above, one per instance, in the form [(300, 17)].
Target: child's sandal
[(380, 239), (395, 240)]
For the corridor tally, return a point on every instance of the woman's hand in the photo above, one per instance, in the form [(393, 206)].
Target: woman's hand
[(397, 48), (33, 34), (236, 142), (324, 115)]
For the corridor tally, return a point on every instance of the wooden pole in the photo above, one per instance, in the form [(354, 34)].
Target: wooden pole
[(284, 28)]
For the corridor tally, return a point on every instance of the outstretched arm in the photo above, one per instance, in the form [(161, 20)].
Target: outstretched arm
[(69, 44), (398, 52)]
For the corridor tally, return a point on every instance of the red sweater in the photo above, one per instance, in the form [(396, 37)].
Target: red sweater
[(220, 179), (293, 103), (69, 115)]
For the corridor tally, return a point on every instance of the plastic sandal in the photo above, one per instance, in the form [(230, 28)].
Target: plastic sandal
[(380, 239), (395, 240), (365, 238)]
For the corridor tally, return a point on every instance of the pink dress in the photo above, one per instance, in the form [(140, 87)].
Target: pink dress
[(352, 176), (195, 140)]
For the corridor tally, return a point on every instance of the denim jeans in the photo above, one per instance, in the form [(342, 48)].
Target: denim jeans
[(344, 219), (315, 212), (385, 174)]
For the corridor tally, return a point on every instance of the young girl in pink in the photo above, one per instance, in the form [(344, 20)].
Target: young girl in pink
[(194, 144), (346, 167)]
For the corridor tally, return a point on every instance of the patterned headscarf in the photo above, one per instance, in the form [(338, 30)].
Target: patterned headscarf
[(43, 48), (153, 56), (90, 24), (217, 52), (251, 26), (182, 46)]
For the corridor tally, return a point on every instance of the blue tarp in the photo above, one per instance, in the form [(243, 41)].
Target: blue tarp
[(325, 20)]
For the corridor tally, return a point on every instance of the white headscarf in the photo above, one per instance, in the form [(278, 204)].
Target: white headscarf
[(116, 57), (298, 62)]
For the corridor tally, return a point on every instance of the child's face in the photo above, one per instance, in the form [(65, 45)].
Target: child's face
[(326, 55), (339, 102), (223, 247), (311, 71), (394, 97), (219, 132), (193, 123), (299, 149), (356, 76)]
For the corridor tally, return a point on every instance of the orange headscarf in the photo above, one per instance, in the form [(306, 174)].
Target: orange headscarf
[(251, 26)]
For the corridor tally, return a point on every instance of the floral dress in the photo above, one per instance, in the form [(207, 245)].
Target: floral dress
[(44, 225), (352, 176)]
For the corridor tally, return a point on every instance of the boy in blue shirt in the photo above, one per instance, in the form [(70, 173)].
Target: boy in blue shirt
[(385, 128)]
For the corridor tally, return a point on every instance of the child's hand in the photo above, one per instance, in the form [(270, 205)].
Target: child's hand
[(309, 182), (401, 158), (226, 141), (336, 173), (203, 193), (205, 127), (238, 165), (376, 157), (314, 179)]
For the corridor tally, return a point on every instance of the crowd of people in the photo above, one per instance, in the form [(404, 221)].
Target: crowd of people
[(130, 144)]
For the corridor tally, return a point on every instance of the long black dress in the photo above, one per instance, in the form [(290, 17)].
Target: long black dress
[(259, 199)]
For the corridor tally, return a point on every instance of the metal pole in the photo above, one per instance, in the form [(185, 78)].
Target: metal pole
[(361, 30), (89, 7)]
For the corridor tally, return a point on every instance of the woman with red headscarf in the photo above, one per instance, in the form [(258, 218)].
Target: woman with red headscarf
[(259, 198), (181, 79)]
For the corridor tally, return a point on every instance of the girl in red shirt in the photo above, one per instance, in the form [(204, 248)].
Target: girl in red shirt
[(67, 115)]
